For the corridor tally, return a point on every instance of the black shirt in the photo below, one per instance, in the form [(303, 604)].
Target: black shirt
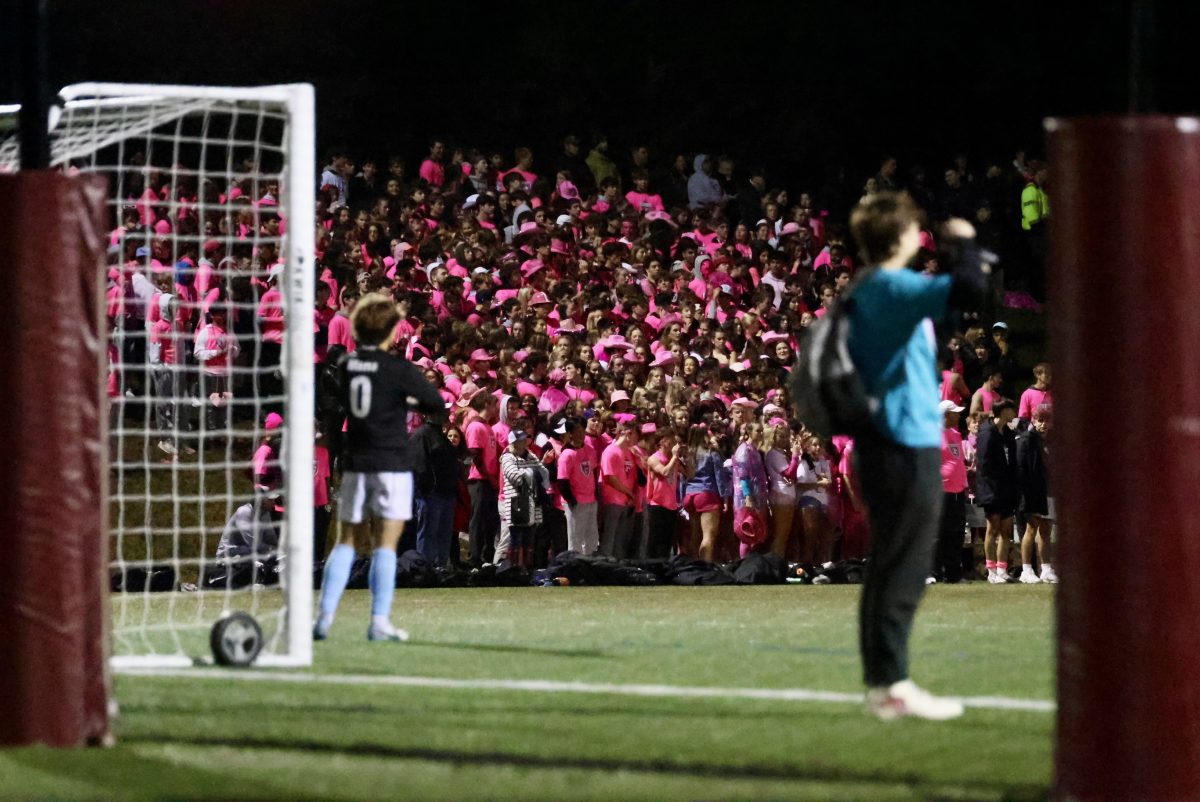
[(376, 387), (436, 463)]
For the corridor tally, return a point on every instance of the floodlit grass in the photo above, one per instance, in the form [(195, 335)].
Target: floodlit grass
[(229, 739)]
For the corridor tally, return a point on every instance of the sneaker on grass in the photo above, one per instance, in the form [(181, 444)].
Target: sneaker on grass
[(1048, 576), (997, 578), (1028, 577), (167, 447), (383, 630), (907, 699)]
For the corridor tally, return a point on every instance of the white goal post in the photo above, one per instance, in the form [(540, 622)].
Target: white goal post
[(194, 172)]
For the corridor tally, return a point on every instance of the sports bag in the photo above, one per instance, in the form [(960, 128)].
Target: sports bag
[(825, 384)]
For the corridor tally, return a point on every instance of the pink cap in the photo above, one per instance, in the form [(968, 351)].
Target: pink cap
[(655, 214), (568, 191), (559, 246), (274, 421), (540, 298), (569, 326), (162, 227), (649, 428), (480, 355), (531, 266), (774, 337), (529, 227), (619, 395), (789, 228), (667, 320), (742, 401), (519, 356), (663, 358), (615, 342)]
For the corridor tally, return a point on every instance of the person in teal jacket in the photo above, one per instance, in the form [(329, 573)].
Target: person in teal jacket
[(891, 313)]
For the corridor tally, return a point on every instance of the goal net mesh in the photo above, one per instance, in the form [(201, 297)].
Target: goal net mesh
[(210, 365)]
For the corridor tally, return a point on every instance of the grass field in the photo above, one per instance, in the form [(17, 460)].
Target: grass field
[(206, 737)]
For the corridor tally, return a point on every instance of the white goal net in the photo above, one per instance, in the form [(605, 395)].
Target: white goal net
[(210, 319)]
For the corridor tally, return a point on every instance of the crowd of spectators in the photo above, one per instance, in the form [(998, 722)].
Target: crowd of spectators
[(611, 333)]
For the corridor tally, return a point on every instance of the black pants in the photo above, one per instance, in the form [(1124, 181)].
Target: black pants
[(485, 520), (948, 559), (660, 531), (902, 488), (321, 518), (550, 539)]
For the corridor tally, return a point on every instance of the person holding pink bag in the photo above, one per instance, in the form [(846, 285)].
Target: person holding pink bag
[(750, 491)]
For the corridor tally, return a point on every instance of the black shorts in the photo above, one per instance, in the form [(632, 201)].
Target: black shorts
[(1005, 509)]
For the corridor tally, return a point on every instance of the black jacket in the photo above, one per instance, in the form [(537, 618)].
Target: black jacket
[(1032, 472), (996, 466)]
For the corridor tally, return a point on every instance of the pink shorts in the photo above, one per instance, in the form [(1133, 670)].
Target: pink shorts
[(707, 501)]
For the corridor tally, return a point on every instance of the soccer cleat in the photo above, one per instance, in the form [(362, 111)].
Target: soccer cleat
[(1028, 577), (389, 633), (906, 698), (1049, 577)]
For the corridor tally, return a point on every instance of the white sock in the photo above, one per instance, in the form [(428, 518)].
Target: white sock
[(1046, 567), (1027, 568)]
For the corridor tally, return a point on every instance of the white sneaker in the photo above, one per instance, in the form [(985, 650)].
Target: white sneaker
[(167, 447), (997, 578), (906, 698), (1049, 577), (931, 580), (388, 632), (1028, 577)]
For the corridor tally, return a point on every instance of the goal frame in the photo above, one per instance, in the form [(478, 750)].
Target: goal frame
[(299, 256)]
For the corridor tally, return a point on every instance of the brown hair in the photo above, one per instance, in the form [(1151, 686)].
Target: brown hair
[(878, 222), (374, 318)]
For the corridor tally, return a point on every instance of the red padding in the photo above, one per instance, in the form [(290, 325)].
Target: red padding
[(53, 608), (1125, 317)]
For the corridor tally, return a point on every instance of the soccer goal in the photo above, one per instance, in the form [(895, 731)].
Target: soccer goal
[(210, 326)]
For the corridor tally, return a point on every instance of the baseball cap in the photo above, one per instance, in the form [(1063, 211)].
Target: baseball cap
[(1000, 324), (517, 434), (949, 406), (274, 421)]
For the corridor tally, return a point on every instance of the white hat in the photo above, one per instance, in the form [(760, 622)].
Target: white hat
[(562, 220), (949, 406), (470, 201)]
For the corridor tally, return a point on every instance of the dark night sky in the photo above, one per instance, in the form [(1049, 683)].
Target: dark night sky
[(794, 85)]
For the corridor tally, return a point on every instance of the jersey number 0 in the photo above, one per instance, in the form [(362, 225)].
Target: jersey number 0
[(360, 396)]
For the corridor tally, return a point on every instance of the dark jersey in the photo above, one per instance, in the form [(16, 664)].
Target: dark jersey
[(376, 387)]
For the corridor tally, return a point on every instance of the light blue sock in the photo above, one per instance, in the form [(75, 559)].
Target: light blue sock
[(383, 581), (337, 574)]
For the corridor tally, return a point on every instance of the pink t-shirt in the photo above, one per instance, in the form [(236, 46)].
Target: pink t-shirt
[(949, 393), (663, 491), (270, 311), (1033, 400), (320, 476), (579, 468), (988, 398), (644, 201), (617, 462), (340, 333), (480, 436), (433, 173), (954, 466)]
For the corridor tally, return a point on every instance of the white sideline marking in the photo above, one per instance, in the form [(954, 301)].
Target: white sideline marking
[(550, 686)]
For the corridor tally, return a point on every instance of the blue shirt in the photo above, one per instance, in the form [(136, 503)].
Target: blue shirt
[(892, 344)]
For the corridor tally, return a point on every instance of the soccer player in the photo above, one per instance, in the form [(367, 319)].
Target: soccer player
[(377, 390), (899, 462)]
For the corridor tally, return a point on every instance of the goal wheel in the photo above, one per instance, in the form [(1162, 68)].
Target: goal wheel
[(236, 640)]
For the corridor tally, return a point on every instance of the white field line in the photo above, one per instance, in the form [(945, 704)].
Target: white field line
[(550, 686)]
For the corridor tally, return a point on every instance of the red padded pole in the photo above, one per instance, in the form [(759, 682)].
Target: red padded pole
[(53, 599), (1125, 290)]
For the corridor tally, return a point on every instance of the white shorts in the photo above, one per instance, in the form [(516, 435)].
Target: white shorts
[(389, 495)]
